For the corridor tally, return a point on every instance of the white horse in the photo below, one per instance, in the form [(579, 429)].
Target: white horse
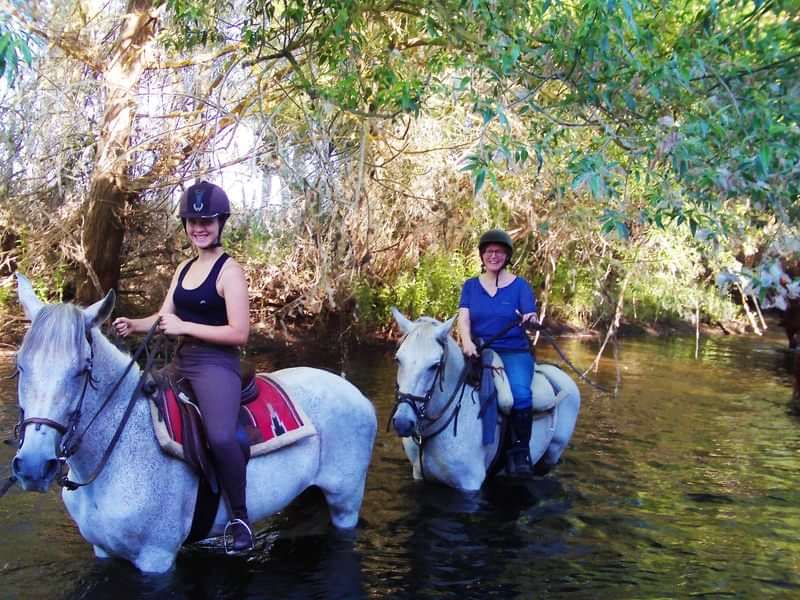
[(140, 505), (439, 423)]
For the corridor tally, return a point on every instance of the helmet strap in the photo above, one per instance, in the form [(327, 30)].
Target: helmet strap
[(218, 242)]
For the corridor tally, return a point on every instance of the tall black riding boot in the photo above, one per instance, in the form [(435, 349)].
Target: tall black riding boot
[(519, 456), (238, 528)]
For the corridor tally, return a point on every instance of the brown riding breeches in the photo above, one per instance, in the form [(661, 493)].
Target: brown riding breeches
[(214, 373)]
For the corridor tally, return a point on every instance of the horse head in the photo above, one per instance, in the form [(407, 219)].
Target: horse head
[(54, 365), (420, 358)]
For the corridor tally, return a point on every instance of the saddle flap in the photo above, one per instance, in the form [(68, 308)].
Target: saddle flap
[(195, 450), (505, 400), (544, 396)]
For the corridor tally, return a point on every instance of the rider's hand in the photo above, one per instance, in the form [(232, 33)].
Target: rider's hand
[(171, 324), (530, 318), (123, 326), (469, 348)]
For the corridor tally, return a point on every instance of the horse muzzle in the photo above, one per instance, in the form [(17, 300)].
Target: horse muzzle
[(404, 420), (35, 475), (36, 465)]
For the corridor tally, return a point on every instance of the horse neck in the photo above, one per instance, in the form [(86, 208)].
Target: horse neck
[(451, 375), (109, 365)]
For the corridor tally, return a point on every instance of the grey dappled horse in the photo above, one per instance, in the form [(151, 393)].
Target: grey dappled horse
[(430, 366), (140, 505)]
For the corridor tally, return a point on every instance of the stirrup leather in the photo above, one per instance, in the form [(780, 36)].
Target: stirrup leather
[(230, 549)]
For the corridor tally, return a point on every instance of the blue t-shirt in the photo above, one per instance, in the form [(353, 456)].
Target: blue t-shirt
[(489, 315)]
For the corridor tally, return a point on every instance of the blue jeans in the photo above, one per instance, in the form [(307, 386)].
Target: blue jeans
[(519, 365)]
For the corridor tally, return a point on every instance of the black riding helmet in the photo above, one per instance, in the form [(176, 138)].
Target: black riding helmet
[(496, 236), (204, 200)]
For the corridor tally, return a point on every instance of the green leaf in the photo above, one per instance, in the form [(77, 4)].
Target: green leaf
[(596, 185), (26, 51), (763, 161), (630, 101), (480, 178), (4, 41), (626, 7)]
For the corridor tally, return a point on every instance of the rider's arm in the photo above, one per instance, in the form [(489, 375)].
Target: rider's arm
[(527, 307), (464, 332), (232, 286), (126, 326)]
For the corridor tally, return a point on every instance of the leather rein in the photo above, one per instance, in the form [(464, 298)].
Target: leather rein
[(71, 438)]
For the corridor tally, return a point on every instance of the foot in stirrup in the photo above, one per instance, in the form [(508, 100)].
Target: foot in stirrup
[(238, 536), (518, 463)]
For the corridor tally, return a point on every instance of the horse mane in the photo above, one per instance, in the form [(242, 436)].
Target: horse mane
[(58, 333), (57, 330)]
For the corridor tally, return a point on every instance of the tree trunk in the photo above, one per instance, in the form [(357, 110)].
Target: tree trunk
[(104, 229)]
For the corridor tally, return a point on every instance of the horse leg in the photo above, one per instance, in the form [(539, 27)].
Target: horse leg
[(412, 452), (343, 474), (152, 559), (344, 504)]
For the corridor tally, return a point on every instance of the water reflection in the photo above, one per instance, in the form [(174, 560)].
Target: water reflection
[(684, 484)]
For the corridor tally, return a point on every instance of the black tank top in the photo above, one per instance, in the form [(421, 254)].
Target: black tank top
[(202, 304)]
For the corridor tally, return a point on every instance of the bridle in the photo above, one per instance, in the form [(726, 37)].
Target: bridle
[(66, 431), (71, 438), (419, 404)]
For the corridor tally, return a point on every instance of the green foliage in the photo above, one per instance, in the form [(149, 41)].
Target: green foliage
[(695, 94), (432, 289), (249, 239), (14, 50), (574, 293)]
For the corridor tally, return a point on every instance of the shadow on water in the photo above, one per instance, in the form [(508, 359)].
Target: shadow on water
[(323, 567), (297, 556), (448, 543)]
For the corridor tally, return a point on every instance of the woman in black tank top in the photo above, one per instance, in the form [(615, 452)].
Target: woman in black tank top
[(208, 305)]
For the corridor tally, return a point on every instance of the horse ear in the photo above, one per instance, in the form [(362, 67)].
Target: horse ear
[(27, 297), (100, 310), (443, 330), (404, 323)]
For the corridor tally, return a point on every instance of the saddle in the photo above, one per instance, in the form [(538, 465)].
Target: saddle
[(545, 398), (268, 419)]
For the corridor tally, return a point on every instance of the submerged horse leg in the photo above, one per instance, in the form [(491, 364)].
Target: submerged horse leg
[(343, 474), (154, 559), (412, 452), (342, 481), (344, 505)]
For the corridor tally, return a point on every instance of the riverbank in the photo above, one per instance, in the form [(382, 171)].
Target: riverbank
[(336, 336), (300, 340)]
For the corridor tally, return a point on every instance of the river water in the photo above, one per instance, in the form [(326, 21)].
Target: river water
[(684, 484)]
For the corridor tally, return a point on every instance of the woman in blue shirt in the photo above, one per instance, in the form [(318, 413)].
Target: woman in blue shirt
[(489, 304)]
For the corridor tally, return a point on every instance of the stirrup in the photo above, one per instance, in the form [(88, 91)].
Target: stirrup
[(518, 463), (230, 550)]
